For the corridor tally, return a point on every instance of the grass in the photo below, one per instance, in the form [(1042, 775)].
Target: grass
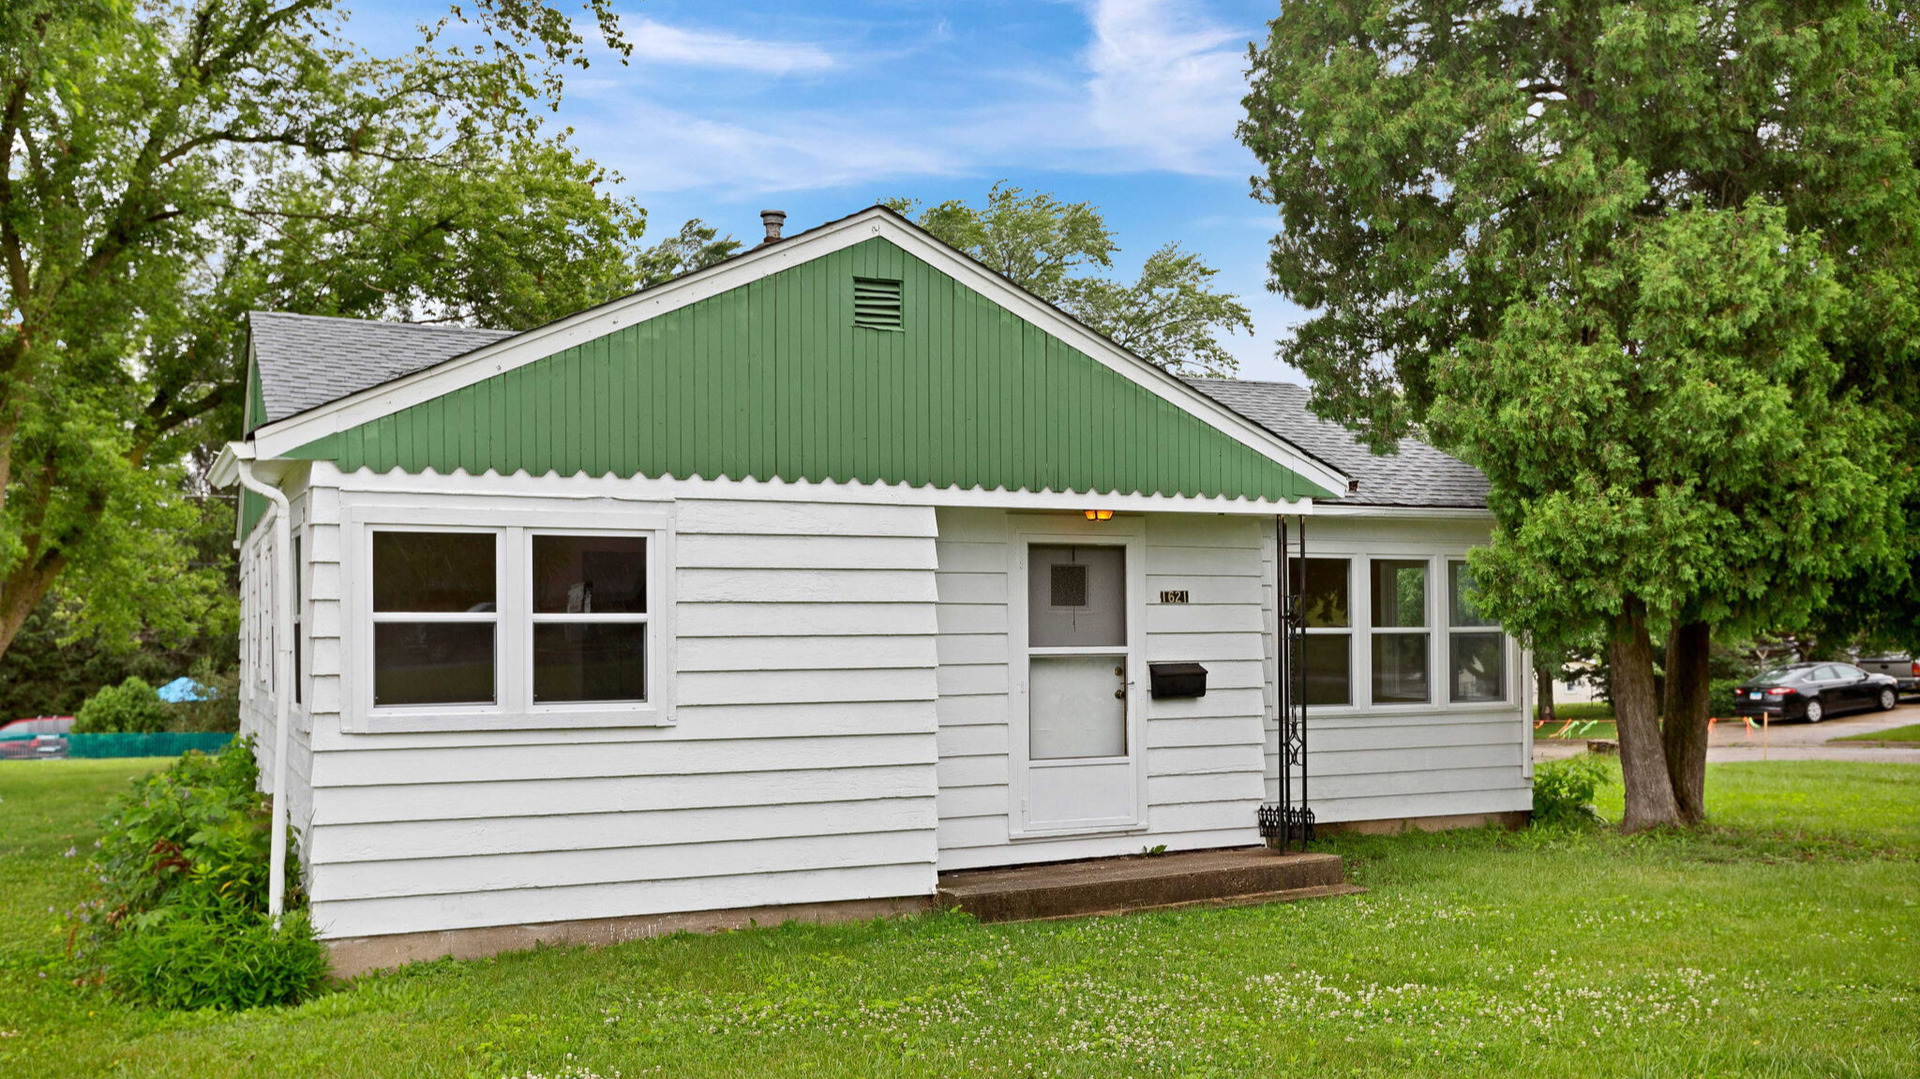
[(1575, 728), (1784, 941), (1908, 733)]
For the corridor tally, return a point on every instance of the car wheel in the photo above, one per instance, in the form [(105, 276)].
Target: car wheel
[(1888, 698), (1815, 711)]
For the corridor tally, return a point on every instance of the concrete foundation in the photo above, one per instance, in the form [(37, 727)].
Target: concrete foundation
[(1512, 820), (353, 956)]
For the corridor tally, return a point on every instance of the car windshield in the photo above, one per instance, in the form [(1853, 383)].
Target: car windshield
[(1781, 674)]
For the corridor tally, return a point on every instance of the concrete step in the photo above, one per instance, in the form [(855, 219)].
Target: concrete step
[(1118, 885)]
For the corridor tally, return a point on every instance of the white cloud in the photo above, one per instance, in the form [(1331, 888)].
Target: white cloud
[(663, 44), (1166, 82)]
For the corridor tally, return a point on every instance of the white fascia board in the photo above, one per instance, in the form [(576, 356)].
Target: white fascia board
[(1348, 509), (483, 363), (425, 485)]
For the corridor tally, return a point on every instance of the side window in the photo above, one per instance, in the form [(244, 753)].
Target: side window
[(590, 620), (435, 618), (1400, 637), (1324, 588), (1476, 649)]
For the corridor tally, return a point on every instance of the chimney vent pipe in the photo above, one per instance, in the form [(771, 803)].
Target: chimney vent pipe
[(773, 219)]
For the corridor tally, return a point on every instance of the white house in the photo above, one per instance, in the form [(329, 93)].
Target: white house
[(786, 586)]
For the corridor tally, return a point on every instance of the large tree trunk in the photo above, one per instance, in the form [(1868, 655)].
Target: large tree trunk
[(1543, 693), (1643, 759), (1684, 720)]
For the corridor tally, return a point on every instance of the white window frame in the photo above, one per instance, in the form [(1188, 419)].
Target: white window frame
[(1351, 631), (1506, 652), (1360, 550), (1428, 628), (513, 707)]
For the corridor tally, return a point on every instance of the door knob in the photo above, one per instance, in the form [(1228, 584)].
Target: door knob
[(1120, 694)]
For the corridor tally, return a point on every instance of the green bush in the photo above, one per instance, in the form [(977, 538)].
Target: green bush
[(1720, 698), (180, 918), (132, 707), (1564, 791)]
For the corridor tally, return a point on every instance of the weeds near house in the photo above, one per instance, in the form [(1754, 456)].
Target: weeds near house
[(1564, 791)]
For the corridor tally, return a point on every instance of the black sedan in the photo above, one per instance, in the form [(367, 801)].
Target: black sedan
[(1814, 691)]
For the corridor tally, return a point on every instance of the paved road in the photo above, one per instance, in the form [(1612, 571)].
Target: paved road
[(1797, 740)]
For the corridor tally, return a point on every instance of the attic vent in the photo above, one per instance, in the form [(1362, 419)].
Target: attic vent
[(1069, 584), (877, 304)]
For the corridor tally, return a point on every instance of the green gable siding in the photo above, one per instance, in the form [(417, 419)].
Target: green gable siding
[(773, 380)]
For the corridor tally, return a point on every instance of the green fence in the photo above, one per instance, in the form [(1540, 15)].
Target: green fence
[(163, 744)]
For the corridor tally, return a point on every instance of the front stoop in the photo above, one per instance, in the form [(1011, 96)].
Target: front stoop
[(1121, 885)]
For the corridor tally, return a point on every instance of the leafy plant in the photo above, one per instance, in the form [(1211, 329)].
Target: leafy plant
[(180, 920), (218, 708), (1564, 791), (132, 707)]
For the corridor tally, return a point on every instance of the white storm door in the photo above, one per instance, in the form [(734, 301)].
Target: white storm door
[(1079, 743)]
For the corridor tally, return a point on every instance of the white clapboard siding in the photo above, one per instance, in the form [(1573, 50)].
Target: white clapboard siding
[(1216, 739), (1367, 763), (799, 765), (412, 914)]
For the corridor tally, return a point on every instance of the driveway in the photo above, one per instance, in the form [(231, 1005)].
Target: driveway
[(1796, 740)]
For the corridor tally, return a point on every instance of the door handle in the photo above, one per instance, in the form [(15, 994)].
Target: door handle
[(1120, 694)]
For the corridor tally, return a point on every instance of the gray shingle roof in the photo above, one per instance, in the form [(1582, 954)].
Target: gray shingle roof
[(308, 360), (1418, 475)]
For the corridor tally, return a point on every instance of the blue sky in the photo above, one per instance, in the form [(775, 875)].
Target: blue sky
[(821, 109)]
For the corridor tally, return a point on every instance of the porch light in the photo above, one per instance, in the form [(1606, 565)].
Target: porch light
[(1099, 515)]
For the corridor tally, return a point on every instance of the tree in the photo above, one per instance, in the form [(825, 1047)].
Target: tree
[(165, 167), (1170, 315), (693, 248), (1652, 267), (132, 707)]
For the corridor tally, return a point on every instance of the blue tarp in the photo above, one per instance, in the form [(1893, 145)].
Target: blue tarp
[(184, 689)]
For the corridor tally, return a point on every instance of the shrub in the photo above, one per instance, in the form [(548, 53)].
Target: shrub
[(180, 918), (1564, 790), (1720, 698), (132, 707)]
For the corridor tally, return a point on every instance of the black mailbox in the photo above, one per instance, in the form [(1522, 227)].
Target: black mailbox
[(1178, 679)]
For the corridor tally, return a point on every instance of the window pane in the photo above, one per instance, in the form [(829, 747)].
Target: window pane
[(432, 663), (1479, 667), (1076, 596), (1399, 593), (1400, 668), (1071, 709), (590, 574), (1323, 590), (575, 661), (1326, 668), (1461, 590), (433, 572)]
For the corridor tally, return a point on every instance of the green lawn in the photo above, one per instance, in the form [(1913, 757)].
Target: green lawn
[(1576, 729), (1908, 733), (1784, 942)]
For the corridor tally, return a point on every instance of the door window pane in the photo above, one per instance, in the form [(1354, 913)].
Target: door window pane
[(1072, 710), (1076, 596), (589, 574), (1326, 668), (1399, 594), (589, 661), (433, 572), (1400, 668), (432, 663), (1322, 585), (1462, 611), (1479, 667)]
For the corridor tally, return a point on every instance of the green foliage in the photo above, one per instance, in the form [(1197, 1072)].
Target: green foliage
[(174, 166), (693, 248), (132, 707), (180, 915), (219, 707), (1721, 703), (1564, 791), (1170, 314)]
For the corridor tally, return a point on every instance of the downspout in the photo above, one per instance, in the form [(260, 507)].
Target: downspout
[(283, 646)]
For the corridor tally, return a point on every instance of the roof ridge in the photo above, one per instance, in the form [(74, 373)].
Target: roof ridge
[(392, 323)]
